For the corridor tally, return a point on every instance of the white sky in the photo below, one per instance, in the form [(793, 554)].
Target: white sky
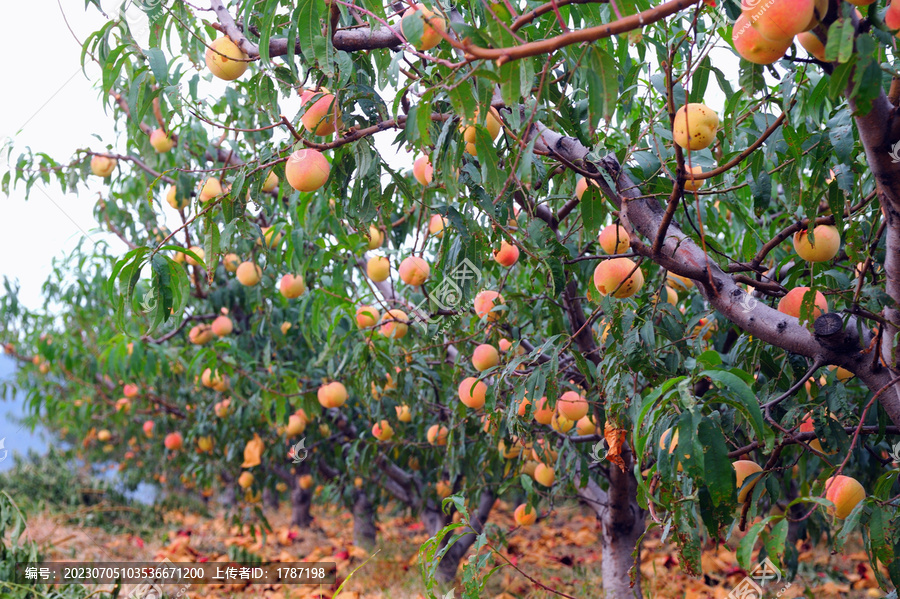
[(54, 108), (53, 104)]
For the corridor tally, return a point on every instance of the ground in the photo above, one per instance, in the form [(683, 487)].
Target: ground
[(561, 551)]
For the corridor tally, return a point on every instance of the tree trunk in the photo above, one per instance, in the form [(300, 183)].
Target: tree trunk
[(301, 502), (432, 517), (364, 529), (623, 524), (618, 542), (270, 499), (228, 498)]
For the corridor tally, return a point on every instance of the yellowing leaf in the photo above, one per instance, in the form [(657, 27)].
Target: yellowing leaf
[(615, 438), (252, 452)]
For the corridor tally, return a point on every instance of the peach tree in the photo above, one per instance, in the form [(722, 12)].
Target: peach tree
[(645, 254)]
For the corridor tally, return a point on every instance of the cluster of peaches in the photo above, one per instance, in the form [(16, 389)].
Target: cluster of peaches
[(767, 28)]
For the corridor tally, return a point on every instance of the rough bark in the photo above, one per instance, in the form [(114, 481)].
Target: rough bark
[(433, 518), (270, 499), (622, 522), (301, 503), (364, 530)]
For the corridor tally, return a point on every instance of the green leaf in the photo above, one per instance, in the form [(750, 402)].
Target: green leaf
[(747, 404), (158, 65)]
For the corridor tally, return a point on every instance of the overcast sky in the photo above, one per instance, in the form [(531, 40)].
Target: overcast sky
[(51, 107)]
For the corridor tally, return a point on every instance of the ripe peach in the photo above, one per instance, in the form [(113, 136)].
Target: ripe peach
[(892, 16), (485, 356), (375, 237), (103, 166), (790, 303), (437, 434), (543, 414), (307, 170), (173, 441), (702, 122), (367, 316), (231, 262), (678, 282), (542, 452), (492, 123), (443, 489), (245, 480), (222, 408), (382, 430), (269, 237), (200, 254), (690, 184), (248, 274), (200, 334), (161, 141), (222, 326), (225, 60), (436, 225), (843, 375), (213, 380), (485, 302), (271, 182), (292, 286), (472, 392), (525, 515), (780, 20), (321, 113), (378, 268), (212, 188), (205, 444), (845, 493), (510, 451), (586, 426), (130, 390), (173, 199), (828, 242), (123, 405), (422, 170), (414, 271), (581, 186), (808, 426), (572, 405), (812, 44), (743, 469), (754, 47), (306, 482), (148, 428), (296, 425), (615, 276), (561, 424), (104, 436), (614, 239), (507, 255), (433, 23), (285, 327), (821, 9), (403, 413), (523, 407), (505, 344), (394, 324), (529, 467), (332, 395), (671, 296), (544, 474)]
